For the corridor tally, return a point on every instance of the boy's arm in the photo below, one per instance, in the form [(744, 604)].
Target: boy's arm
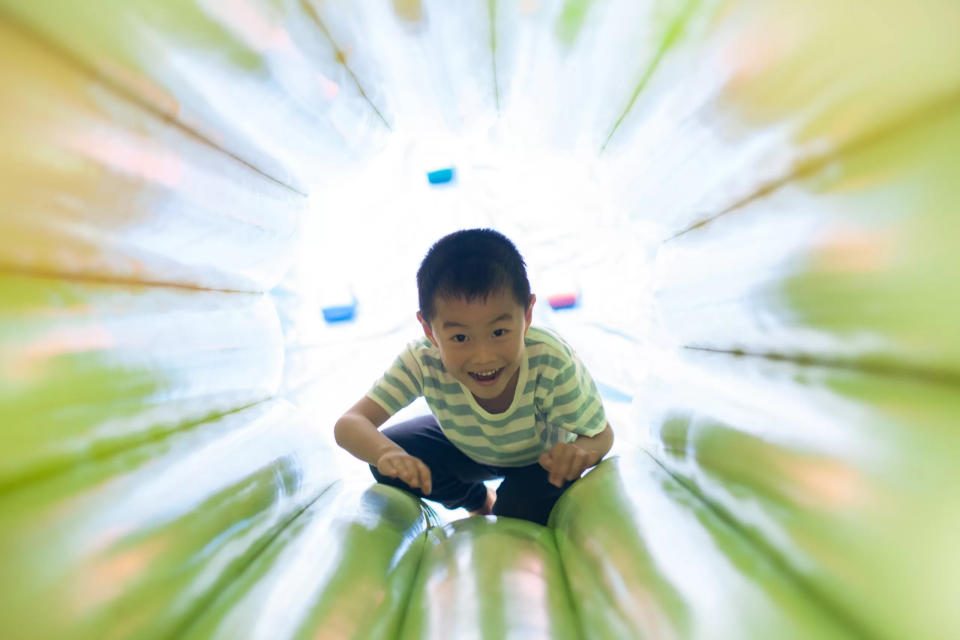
[(566, 461), (599, 444), (357, 431)]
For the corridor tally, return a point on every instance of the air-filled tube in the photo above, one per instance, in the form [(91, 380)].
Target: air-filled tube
[(751, 204)]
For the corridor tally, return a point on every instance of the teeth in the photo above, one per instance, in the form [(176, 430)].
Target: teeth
[(487, 373)]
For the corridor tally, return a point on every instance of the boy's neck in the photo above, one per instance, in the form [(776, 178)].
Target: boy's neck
[(503, 401)]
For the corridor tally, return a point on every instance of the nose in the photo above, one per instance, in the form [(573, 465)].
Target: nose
[(484, 354)]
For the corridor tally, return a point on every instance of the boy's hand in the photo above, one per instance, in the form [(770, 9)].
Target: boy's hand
[(566, 461), (400, 464)]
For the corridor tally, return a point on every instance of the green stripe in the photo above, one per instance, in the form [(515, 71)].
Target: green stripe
[(548, 340), (413, 380), (454, 388), (597, 421), (392, 405), (450, 388), (545, 435), (568, 374), (523, 413), (538, 335), (454, 410), (401, 394), (575, 416), (504, 439), (430, 361), (400, 386), (460, 410), (553, 437), (578, 421), (548, 361), (500, 457), (567, 398)]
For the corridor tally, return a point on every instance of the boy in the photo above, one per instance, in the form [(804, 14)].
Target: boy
[(507, 400)]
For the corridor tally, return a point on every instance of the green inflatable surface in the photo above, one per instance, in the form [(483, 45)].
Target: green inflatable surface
[(755, 201)]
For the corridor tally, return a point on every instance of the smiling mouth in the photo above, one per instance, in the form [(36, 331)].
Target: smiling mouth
[(486, 377)]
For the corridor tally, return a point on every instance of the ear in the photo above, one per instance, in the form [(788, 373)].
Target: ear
[(427, 331), (528, 315)]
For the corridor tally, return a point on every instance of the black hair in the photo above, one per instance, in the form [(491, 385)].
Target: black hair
[(471, 264)]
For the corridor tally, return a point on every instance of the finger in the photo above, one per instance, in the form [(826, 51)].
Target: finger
[(561, 466), (560, 475), (561, 463), (409, 473), (556, 474), (558, 458), (389, 469), (546, 461), (577, 464), (426, 482), (556, 480), (415, 480)]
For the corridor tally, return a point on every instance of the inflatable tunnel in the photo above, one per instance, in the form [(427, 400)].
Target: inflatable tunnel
[(211, 212)]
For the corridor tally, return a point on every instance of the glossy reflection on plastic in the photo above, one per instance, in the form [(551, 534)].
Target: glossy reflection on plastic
[(490, 578), (97, 186), (86, 368), (137, 543), (171, 143), (343, 568), (847, 476), (646, 558), (763, 100), (263, 84), (855, 263)]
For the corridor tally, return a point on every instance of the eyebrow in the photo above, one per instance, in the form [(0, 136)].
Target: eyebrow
[(449, 324)]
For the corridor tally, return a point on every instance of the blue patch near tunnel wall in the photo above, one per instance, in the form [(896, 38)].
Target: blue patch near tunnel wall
[(610, 393)]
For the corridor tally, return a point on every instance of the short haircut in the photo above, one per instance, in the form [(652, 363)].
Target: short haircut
[(471, 264)]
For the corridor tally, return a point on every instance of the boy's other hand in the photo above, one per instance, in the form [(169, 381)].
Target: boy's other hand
[(400, 464), (566, 461)]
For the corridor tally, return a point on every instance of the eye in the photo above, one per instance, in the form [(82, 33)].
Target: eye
[(498, 333), (459, 338)]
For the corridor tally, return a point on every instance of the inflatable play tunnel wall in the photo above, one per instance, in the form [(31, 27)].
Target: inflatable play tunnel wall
[(800, 160)]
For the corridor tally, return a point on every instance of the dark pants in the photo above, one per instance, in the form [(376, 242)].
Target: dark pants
[(458, 480)]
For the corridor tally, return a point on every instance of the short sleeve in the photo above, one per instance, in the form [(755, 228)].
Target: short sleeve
[(574, 402), (400, 385)]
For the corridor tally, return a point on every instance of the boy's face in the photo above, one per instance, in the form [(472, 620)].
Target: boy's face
[(481, 341)]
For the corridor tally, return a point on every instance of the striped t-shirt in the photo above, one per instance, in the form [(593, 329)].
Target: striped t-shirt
[(555, 400)]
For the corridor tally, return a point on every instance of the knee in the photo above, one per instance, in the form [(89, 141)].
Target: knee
[(526, 502)]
